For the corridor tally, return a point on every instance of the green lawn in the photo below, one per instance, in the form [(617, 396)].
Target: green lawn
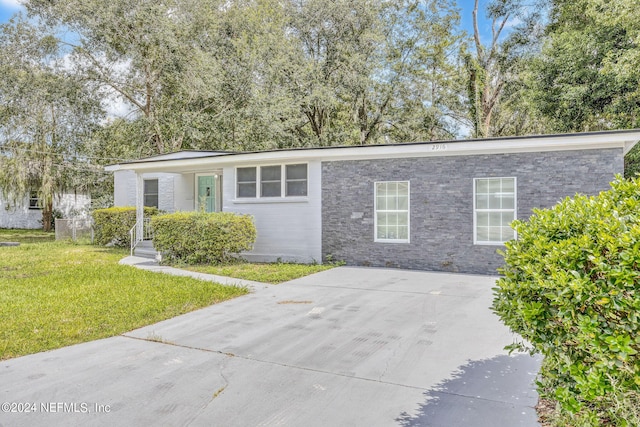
[(266, 273), (25, 236), (57, 294)]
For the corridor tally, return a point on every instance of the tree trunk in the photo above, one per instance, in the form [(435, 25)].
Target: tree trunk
[(47, 216)]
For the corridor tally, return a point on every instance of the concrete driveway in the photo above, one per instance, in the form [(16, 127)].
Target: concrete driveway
[(346, 347)]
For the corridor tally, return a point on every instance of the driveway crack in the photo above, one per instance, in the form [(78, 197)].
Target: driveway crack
[(284, 365)]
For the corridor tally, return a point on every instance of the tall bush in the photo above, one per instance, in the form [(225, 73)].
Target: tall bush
[(112, 225), (199, 237), (571, 288)]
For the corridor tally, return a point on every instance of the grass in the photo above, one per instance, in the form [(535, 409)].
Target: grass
[(25, 236), (273, 273), (57, 294)]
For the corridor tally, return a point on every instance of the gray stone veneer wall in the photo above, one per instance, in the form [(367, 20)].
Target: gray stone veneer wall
[(441, 203)]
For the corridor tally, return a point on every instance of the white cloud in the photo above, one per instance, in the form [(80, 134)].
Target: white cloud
[(11, 4), (116, 107), (513, 22)]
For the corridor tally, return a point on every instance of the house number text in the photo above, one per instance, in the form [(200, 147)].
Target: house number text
[(438, 147)]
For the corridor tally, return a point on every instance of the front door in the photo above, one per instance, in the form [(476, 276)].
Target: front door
[(207, 189)]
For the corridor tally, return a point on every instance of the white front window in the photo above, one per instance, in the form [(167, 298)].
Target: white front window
[(392, 212), (296, 180), (246, 179), (494, 209), (272, 181)]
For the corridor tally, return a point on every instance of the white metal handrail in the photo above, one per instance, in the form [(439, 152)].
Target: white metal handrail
[(135, 237)]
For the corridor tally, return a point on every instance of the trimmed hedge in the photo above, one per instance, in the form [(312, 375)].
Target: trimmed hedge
[(571, 288), (199, 237), (112, 225)]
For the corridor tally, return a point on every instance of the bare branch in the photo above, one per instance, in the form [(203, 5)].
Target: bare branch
[(476, 32)]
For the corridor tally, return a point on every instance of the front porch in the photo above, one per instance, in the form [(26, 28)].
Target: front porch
[(171, 192)]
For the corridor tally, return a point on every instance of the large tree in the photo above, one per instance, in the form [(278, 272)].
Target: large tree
[(373, 71), (153, 56), (496, 68), (424, 86), (253, 74), (587, 76), (46, 115)]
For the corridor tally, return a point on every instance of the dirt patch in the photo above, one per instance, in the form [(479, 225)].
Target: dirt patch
[(545, 409)]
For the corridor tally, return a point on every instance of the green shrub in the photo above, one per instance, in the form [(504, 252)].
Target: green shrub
[(571, 288), (112, 225), (199, 237)]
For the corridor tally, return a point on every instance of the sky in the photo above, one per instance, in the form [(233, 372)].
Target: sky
[(9, 7), (466, 18)]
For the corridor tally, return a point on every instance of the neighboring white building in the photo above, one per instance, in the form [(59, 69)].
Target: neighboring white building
[(27, 214)]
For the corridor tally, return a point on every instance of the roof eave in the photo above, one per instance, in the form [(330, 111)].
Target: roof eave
[(612, 139)]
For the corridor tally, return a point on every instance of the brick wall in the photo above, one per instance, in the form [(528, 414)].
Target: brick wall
[(441, 210)]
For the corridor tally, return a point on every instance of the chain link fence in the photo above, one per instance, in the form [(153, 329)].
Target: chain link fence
[(77, 229)]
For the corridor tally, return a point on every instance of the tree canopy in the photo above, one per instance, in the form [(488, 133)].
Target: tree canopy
[(88, 82)]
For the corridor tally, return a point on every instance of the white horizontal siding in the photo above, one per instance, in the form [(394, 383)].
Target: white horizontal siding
[(286, 229)]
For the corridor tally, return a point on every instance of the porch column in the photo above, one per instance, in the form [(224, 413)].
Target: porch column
[(139, 206)]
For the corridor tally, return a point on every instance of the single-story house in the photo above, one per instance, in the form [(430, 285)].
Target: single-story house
[(27, 213), (441, 206)]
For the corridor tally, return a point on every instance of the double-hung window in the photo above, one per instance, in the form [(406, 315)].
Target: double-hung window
[(392, 212), (494, 209), (272, 181), (151, 193)]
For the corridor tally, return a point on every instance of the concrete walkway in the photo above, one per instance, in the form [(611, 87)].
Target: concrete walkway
[(345, 347), (151, 265)]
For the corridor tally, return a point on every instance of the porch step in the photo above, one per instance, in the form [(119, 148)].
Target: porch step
[(145, 249)]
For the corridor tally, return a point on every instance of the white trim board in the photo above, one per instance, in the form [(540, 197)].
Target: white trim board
[(585, 141)]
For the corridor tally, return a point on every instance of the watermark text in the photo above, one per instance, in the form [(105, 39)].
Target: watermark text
[(54, 407)]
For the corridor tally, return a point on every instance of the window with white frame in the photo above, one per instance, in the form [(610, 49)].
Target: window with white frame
[(246, 179), (151, 193), (272, 181), (494, 209), (296, 180), (392, 211)]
